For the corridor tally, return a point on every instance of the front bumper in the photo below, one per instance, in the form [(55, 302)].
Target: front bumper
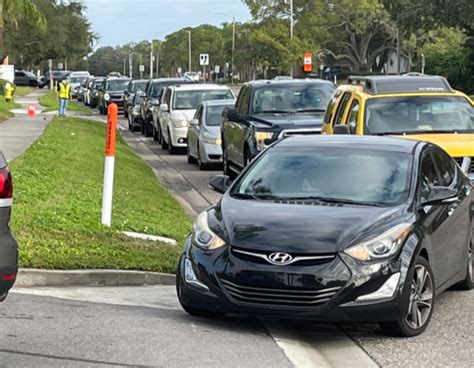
[(179, 137), (211, 153), (326, 291)]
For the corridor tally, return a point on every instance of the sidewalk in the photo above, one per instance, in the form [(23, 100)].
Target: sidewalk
[(19, 132)]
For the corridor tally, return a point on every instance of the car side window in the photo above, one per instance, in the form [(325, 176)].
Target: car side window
[(446, 166), (329, 110), (168, 98), (342, 108), (197, 115), (353, 116), (244, 101), (429, 177)]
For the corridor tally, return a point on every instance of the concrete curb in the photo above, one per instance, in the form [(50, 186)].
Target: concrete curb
[(36, 278)]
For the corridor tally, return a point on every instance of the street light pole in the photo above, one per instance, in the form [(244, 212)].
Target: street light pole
[(130, 64), (151, 60), (233, 47), (292, 25), (398, 50), (189, 65)]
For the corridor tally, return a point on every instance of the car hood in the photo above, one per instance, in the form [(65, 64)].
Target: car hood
[(300, 228), (115, 92), (457, 145), (290, 121), (183, 114), (214, 131)]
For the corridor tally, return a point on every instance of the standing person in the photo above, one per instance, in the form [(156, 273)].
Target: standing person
[(64, 94), (8, 92)]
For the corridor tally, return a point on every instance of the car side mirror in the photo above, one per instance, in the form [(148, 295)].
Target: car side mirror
[(164, 107), (194, 122), (219, 183), (233, 115), (155, 102), (440, 195), (342, 129)]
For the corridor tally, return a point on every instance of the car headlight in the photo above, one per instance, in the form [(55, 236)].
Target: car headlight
[(203, 236), (107, 97), (260, 137), (180, 123), (383, 246), (211, 140)]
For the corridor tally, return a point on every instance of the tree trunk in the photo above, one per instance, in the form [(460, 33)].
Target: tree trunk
[(2, 33)]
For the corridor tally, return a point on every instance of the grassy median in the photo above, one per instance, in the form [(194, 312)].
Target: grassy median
[(23, 91), (50, 101), (57, 204), (5, 108)]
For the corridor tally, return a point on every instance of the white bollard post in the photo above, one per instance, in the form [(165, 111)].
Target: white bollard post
[(109, 165)]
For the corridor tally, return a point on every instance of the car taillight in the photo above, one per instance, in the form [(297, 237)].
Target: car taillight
[(6, 184)]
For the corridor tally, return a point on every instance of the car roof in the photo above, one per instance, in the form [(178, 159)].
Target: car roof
[(157, 80), (287, 82), (117, 78), (376, 143), (139, 80), (199, 87), (408, 83), (218, 102)]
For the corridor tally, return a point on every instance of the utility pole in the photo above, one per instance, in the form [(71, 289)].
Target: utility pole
[(233, 48), (151, 60), (189, 65), (292, 26), (124, 66), (398, 50), (158, 63), (130, 64), (423, 63), (141, 63)]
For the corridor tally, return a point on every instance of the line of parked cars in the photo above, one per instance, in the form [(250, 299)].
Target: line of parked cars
[(339, 203)]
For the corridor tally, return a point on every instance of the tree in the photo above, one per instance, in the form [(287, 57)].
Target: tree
[(13, 10)]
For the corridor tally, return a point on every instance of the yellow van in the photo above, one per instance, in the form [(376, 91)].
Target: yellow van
[(414, 106)]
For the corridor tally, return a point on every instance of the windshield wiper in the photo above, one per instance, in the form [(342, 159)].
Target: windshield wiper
[(276, 112), (313, 110), (332, 200), (252, 196)]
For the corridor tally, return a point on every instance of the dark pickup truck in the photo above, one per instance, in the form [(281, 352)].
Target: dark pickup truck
[(269, 110)]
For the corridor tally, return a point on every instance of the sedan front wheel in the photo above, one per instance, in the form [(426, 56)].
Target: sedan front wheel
[(420, 303)]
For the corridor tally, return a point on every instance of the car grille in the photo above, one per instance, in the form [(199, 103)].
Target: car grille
[(116, 97), (460, 161), (298, 259), (215, 157), (293, 132), (241, 294)]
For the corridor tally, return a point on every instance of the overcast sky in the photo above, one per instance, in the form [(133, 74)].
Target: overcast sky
[(121, 21)]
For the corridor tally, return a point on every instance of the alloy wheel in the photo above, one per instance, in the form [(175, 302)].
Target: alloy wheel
[(421, 298), (470, 264)]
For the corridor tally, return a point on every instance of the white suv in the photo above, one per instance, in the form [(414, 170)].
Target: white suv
[(178, 108)]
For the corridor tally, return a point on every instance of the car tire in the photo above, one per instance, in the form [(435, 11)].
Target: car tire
[(468, 282), (143, 127), (171, 149), (191, 159), (202, 166), (130, 124), (419, 296), (3, 296), (155, 134), (160, 135), (164, 145), (225, 164), (33, 84), (148, 128)]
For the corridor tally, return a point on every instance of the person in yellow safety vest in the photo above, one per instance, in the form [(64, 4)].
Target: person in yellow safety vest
[(64, 94), (8, 89)]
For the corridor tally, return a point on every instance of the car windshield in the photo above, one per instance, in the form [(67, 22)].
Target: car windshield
[(214, 114), (420, 114), (78, 79), (292, 98), (97, 83), (190, 100), (117, 85), (359, 176), (139, 86)]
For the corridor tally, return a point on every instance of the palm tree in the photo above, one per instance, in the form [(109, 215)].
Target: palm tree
[(11, 11)]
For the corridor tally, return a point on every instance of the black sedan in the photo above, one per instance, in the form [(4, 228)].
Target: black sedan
[(365, 229)]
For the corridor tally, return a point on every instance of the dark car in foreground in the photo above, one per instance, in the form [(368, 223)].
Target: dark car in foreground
[(112, 90), (367, 229), (8, 244), (268, 110), (134, 115), (94, 87)]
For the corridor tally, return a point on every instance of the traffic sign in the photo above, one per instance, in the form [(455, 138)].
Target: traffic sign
[(180, 70), (204, 59), (60, 66), (142, 68), (50, 63), (308, 62), (217, 69)]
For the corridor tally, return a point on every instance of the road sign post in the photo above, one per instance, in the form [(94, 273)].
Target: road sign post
[(308, 62), (109, 166), (204, 62), (50, 66)]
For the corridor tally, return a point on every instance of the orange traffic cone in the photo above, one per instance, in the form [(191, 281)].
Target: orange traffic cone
[(32, 110)]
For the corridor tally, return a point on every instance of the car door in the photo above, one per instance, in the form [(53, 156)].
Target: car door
[(239, 128), (458, 211), (194, 130), (20, 79), (166, 114), (438, 221), (353, 116), (330, 112), (342, 110)]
